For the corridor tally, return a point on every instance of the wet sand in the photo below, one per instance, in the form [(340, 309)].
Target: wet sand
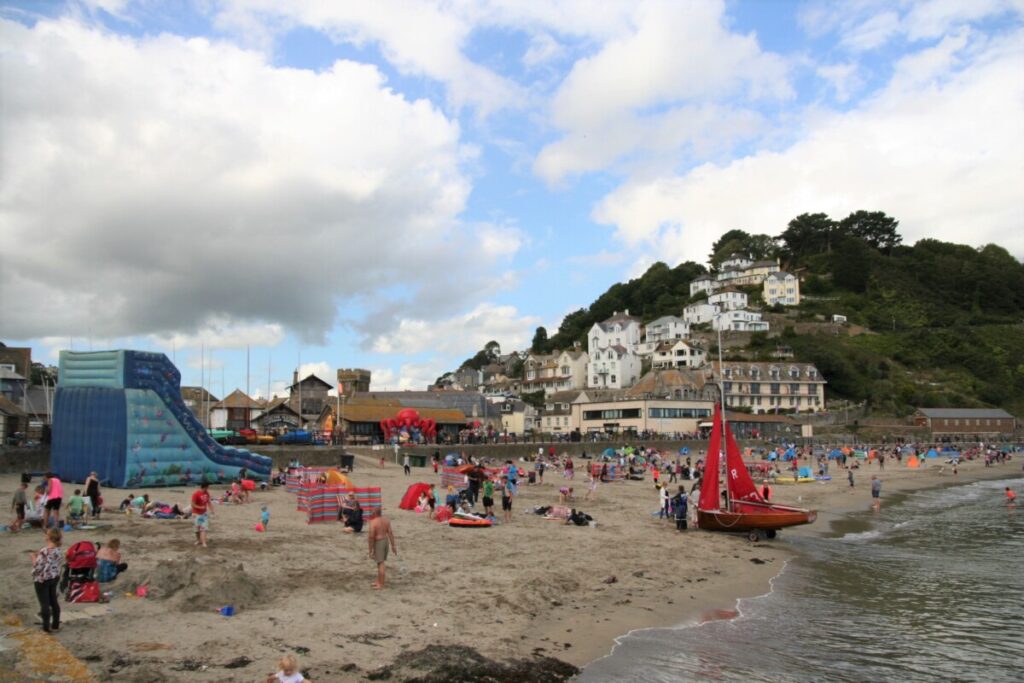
[(532, 594)]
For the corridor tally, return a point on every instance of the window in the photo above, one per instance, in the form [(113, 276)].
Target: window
[(595, 380), (775, 388), (7, 366), (611, 414), (755, 388), (794, 388), (613, 379), (728, 386), (678, 412)]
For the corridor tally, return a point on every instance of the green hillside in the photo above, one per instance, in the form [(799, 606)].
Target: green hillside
[(945, 320)]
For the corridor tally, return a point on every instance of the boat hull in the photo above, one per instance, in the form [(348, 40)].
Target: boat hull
[(769, 519)]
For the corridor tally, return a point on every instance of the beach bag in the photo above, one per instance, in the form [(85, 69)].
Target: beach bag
[(83, 591)]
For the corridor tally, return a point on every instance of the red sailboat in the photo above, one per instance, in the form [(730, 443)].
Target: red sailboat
[(745, 509)]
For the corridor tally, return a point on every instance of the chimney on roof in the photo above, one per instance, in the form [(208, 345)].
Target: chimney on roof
[(295, 377)]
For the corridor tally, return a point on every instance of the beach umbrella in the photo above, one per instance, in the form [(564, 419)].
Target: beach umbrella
[(609, 452), (684, 451)]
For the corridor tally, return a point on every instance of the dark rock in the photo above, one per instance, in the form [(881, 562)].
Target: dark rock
[(611, 579), (238, 663), (458, 664), (757, 560)]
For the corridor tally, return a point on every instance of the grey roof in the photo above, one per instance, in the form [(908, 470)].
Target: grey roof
[(965, 413), (10, 374)]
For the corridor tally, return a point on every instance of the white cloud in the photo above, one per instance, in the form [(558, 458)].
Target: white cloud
[(842, 77), (864, 25), (463, 334), (418, 38), (324, 371), (222, 333), (410, 376), (543, 48), (164, 185), (660, 86), (941, 154)]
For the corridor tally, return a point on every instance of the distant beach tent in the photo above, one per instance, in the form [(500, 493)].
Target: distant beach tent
[(336, 478), (609, 453), (835, 454), (932, 453), (412, 495), (913, 462), (684, 450)]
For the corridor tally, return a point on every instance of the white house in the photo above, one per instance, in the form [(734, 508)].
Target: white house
[(739, 321), (666, 327), (558, 371), (728, 299), (677, 354), (736, 262), (705, 283), (782, 288), (700, 312), (613, 367), (612, 350)]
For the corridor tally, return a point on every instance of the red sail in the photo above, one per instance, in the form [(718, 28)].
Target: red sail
[(709, 480), (737, 479)]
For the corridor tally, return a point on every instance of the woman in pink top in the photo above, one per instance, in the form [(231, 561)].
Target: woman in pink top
[(54, 496)]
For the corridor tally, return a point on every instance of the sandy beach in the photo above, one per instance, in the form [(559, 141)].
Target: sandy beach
[(530, 600)]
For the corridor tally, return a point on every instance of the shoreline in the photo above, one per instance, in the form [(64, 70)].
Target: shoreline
[(841, 507), (531, 594)]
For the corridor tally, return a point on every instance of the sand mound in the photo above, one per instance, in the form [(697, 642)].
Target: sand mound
[(196, 587)]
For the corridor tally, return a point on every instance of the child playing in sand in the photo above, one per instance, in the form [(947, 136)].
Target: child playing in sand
[(76, 508), (289, 671), (108, 559), (264, 516), (18, 504)]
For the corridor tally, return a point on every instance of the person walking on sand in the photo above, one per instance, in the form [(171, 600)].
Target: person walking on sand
[(45, 575), (876, 492), (405, 465), (507, 493), (379, 537), (92, 492), (201, 511), (849, 478), (54, 499)]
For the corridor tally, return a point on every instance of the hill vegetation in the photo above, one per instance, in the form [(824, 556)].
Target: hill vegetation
[(944, 320)]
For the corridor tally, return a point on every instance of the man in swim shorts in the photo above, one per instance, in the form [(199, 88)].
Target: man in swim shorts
[(876, 491), (379, 537)]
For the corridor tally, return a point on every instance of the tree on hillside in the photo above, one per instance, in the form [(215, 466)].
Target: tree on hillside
[(806, 235), (540, 341), (485, 356), (757, 247), (874, 227)]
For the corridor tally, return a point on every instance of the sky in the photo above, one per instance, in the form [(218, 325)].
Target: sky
[(390, 185)]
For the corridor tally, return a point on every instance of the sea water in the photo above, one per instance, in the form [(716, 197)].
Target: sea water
[(931, 588)]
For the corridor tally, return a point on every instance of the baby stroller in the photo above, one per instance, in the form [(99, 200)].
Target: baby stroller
[(78, 580)]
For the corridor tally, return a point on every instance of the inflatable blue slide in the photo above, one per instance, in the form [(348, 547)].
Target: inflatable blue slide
[(120, 414)]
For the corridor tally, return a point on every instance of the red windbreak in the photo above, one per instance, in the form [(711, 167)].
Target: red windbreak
[(738, 482), (709, 482)]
